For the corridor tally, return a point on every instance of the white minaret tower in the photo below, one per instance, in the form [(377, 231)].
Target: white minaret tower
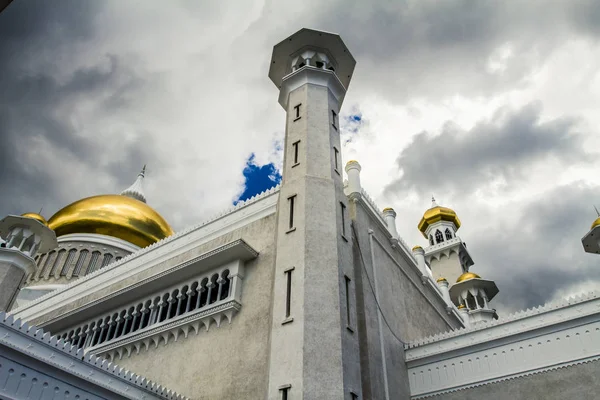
[(314, 352), (23, 237), (447, 254)]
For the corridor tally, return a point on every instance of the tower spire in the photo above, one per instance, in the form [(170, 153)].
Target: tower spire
[(136, 190), (597, 212), (433, 202)]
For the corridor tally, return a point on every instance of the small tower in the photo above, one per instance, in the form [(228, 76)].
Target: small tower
[(313, 352), (591, 241), (447, 254), (23, 237), (474, 294)]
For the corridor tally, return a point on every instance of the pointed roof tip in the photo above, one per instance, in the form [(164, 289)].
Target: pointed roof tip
[(433, 202), (597, 212), (136, 190)]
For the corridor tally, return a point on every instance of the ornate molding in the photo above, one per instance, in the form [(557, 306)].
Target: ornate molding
[(172, 330), (555, 349), (530, 318), (41, 346)]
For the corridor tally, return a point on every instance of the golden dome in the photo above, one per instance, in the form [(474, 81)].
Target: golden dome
[(417, 247), (436, 214), (461, 306), (112, 215), (441, 280), (595, 223), (467, 276), (37, 217)]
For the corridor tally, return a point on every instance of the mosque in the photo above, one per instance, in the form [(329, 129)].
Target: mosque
[(305, 291)]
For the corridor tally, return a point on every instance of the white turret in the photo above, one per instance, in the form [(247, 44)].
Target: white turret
[(474, 294), (136, 190), (23, 237), (447, 254)]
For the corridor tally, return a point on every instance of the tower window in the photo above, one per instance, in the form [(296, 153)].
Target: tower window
[(334, 119), (285, 391), (448, 234), (295, 147), (288, 293), (336, 154), (348, 320), (439, 238), (343, 208), (297, 109), (431, 240), (291, 201)]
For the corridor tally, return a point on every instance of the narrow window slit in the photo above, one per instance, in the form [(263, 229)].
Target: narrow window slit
[(288, 293), (343, 207), (297, 109), (291, 201), (347, 281), (333, 119), (296, 146)]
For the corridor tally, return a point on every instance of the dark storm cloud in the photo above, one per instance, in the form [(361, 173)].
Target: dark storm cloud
[(516, 254), (33, 33), (431, 48), (503, 148)]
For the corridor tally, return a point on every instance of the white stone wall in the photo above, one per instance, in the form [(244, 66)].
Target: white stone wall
[(539, 340)]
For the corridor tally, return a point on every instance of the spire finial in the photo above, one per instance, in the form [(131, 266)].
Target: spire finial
[(433, 203), (136, 190), (597, 212)]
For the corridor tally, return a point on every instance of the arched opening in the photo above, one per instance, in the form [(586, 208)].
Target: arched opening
[(439, 238), (203, 293), (431, 240), (214, 293), (225, 285), (448, 234)]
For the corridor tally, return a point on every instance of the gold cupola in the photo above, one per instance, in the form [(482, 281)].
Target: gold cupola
[(37, 217), (125, 216), (435, 214), (467, 276)]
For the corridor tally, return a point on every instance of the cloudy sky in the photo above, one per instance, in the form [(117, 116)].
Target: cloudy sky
[(489, 106)]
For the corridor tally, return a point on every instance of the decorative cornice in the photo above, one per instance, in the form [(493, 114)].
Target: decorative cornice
[(511, 377), (28, 339), (536, 318), (153, 247)]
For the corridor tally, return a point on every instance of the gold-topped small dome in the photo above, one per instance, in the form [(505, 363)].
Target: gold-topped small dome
[(113, 215), (461, 306), (595, 223), (417, 247), (37, 217), (435, 214), (467, 276), (441, 280)]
